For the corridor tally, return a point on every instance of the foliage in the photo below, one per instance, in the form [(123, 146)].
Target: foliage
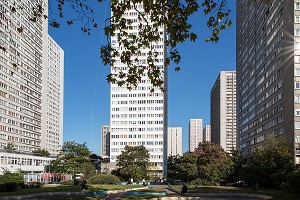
[(187, 167), (10, 146), (41, 152), (238, 163), (104, 179), (174, 16), (133, 162), (74, 159), (271, 164), (10, 182), (172, 166), (293, 180), (213, 162), (66, 182)]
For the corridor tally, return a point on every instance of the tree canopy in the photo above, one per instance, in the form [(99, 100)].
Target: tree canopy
[(174, 15), (133, 162), (74, 158)]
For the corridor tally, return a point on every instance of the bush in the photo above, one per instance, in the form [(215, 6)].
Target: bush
[(34, 184), (76, 182), (66, 182), (293, 181), (104, 179), (10, 182), (199, 181)]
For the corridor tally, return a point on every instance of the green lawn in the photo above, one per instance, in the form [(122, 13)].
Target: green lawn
[(52, 188), (276, 194)]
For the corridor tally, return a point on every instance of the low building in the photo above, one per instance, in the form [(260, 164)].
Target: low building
[(27, 162)]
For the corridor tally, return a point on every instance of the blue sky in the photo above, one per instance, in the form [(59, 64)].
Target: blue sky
[(87, 93)]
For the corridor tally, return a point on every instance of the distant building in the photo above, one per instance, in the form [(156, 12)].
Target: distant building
[(207, 133), (105, 141), (223, 111), (174, 141), (195, 133)]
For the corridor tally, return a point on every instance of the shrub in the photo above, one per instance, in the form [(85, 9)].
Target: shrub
[(76, 182), (293, 181), (66, 182), (10, 182), (104, 179), (34, 184)]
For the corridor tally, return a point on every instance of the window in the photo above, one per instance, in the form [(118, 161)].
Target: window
[(297, 125), (297, 59), (297, 19), (297, 6), (297, 99), (297, 71), (297, 85), (297, 112)]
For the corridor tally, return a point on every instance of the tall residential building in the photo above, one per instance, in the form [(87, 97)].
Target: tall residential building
[(52, 99), (223, 111), (268, 73), (31, 81), (105, 141), (174, 141), (139, 116), (23, 55), (195, 133), (207, 133)]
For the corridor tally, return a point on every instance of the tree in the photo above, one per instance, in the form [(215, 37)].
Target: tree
[(10, 147), (173, 14), (73, 159), (187, 166), (133, 162), (172, 166), (213, 162), (271, 164), (41, 152)]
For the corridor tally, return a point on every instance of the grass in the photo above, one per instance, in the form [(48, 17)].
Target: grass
[(45, 188), (276, 194), (94, 188)]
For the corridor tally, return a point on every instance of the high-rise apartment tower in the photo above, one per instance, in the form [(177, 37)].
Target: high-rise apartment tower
[(53, 99), (268, 73), (223, 111), (105, 140), (195, 133), (207, 133), (139, 116), (174, 141)]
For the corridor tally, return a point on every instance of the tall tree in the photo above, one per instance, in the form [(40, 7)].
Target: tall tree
[(133, 162), (74, 158), (213, 162)]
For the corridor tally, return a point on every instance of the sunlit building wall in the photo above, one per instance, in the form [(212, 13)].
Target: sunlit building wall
[(223, 111), (139, 116), (53, 99), (174, 141), (195, 133), (268, 73), (207, 133)]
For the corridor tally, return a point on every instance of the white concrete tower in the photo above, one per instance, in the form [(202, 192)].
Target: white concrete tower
[(174, 141), (53, 98), (223, 111), (195, 133), (139, 117), (207, 133)]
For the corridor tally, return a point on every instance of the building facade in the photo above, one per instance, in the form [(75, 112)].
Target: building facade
[(105, 141), (139, 116), (174, 141), (195, 133), (52, 99), (207, 133), (223, 111), (268, 73), (31, 81)]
